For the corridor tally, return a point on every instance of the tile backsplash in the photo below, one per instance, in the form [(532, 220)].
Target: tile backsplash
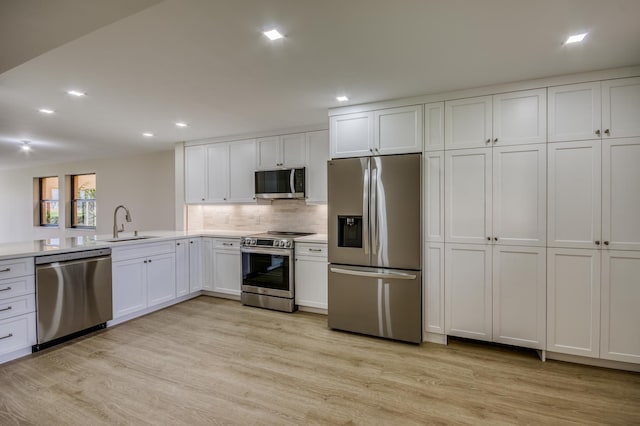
[(279, 215)]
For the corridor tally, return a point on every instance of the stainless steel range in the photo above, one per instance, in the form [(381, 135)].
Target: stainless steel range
[(268, 270)]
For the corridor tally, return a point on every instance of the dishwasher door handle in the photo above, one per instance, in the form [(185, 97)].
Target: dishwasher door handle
[(392, 275)]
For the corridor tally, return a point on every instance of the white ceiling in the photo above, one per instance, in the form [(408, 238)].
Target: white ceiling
[(207, 63)]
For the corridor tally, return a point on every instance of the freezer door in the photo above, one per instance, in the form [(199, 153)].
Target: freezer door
[(348, 211), (375, 301), (395, 211)]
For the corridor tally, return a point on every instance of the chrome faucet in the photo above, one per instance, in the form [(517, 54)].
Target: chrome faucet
[(127, 217)]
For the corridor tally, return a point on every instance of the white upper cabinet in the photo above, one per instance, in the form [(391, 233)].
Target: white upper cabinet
[(351, 134), (195, 169), (574, 112), (217, 172), (434, 195), (621, 193), (281, 151), (621, 108), (520, 117), (398, 130), (506, 119), (574, 194), (388, 131), (468, 122), (520, 195), (468, 196), (241, 170), (318, 146), (434, 126)]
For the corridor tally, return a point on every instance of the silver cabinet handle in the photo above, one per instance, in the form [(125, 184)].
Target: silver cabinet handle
[(394, 275), (315, 250), (227, 244), (5, 309), (5, 270), (5, 289), (7, 336)]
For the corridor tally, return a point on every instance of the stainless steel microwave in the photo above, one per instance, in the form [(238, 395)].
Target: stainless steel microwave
[(284, 183)]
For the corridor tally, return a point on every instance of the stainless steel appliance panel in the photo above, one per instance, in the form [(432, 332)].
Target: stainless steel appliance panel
[(395, 211), (376, 301), (267, 271), (348, 195), (72, 296)]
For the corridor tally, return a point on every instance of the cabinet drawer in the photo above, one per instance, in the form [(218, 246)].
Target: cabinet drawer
[(17, 333), (227, 244), (142, 250), (16, 267), (17, 306), (17, 287), (318, 250)]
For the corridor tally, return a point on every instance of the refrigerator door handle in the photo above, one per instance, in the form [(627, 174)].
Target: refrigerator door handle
[(365, 210), (393, 275), (374, 211)]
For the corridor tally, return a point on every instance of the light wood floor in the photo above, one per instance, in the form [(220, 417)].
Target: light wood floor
[(213, 361)]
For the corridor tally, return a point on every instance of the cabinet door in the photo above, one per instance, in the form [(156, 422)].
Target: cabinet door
[(294, 150), (268, 153), (182, 267), (311, 281), (129, 287), (217, 171), (468, 196), (620, 332), (520, 117), (161, 279), (242, 159), (573, 301), (208, 264), (621, 193), (351, 135), (468, 122), (520, 195), (195, 169), (434, 195), (318, 145), (574, 194), (468, 294), (519, 296), (574, 112), (227, 271), (195, 265), (398, 130), (621, 107), (434, 126), (434, 287)]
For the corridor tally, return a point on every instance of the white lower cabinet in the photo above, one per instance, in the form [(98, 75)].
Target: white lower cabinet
[(496, 293), (227, 266), (182, 267), (433, 276), (311, 275), (207, 263), (17, 308), (161, 279), (129, 287), (195, 264)]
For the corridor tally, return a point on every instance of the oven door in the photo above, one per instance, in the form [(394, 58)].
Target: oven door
[(267, 271)]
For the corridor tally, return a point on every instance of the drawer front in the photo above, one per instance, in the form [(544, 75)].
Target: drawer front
[(227, 243), (142, 250), (306, 249), (16, 268), (21, 305), (17, 333), (17, 287)]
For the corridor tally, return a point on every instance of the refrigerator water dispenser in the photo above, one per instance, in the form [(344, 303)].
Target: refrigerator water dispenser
[(350, 231)]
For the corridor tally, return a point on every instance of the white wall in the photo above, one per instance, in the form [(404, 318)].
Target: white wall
[(145, 184)]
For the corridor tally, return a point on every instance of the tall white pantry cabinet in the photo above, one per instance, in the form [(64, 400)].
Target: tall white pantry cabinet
[(532, 229)]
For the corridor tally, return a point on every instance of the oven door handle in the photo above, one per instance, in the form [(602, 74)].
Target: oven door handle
[(260, 250)]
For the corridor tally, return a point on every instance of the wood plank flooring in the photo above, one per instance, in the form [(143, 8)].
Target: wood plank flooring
[(214, 361)]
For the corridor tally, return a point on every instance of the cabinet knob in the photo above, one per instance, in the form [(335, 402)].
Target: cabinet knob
[(606, 243), (203, 199), (177, 244), (370, 149), (488, 238), (606, 132), (495, 140), (145, 261), (495, 238), (597, 242), (598, 132), (488, 140), (149, 260)]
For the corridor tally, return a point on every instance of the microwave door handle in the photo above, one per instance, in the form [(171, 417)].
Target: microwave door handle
[(292, 181), (365, 209)]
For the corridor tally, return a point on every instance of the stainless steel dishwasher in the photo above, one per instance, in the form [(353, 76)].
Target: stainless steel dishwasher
[(73, 295)]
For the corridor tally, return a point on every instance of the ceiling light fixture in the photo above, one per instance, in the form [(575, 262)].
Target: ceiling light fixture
[(576, 38), (76, 93), (342, 98), (147, 135), (46, 111), (25, 146), (273, 34), (181, 124)]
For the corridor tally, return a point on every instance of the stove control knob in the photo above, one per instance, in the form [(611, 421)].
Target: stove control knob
[(254, 242), (288, 244), (282, 243), (275, 243)]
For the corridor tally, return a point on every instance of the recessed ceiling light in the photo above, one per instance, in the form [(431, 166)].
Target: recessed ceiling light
[(576, 38), (25, 146), (76, 93), (147, 135), (46, 111), (342, 98), (273, 34), (181, 124)]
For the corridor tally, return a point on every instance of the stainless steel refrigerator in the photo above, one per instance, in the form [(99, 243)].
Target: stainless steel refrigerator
[(375, 281)]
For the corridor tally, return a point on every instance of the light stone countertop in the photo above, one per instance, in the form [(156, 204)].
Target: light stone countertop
[(315, 238)]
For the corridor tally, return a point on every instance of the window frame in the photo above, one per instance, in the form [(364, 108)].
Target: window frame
[(42, 201), (75, 202)]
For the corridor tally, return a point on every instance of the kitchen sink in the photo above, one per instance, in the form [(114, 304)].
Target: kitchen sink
[(119, 240)]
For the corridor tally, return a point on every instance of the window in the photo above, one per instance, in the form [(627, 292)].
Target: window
[(83, 201), (49, 206)]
